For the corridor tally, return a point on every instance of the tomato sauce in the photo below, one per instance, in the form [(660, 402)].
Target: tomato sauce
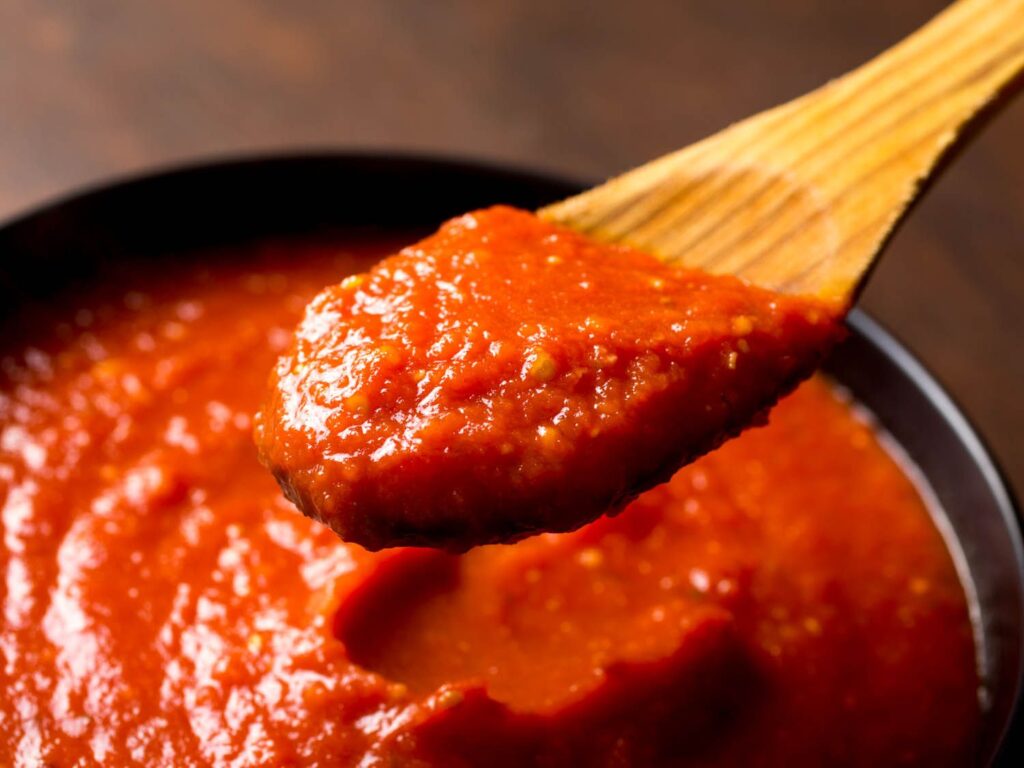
[(786, 600), (507, 376)]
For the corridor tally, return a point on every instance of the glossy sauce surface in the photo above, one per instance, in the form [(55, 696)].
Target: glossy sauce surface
[(506, 376), (785, 600)]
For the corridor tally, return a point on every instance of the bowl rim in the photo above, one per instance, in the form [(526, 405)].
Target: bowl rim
[(228, 160), (863, 323), (995, 479)]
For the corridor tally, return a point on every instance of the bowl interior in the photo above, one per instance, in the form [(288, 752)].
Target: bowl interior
[(156, 216)]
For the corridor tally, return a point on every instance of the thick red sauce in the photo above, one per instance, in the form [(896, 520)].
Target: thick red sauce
[(506, 376), (785, 600)]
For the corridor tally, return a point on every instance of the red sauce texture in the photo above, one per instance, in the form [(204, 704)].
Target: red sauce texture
[(784, 601), (505, 376)]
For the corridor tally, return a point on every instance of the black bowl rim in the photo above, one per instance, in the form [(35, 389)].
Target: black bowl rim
[(226, 161), (874, 332), (980, 454)]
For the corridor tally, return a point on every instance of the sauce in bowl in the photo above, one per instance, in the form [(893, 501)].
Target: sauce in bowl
[(784, 600)]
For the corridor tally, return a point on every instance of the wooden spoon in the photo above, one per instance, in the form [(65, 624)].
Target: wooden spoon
[(802, 198), (799, 199)]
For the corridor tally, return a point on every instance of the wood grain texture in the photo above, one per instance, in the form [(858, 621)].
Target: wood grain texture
[(588, 87), (802, 197)]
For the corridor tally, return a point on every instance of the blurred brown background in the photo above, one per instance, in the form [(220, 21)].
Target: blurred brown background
[(586, 87)]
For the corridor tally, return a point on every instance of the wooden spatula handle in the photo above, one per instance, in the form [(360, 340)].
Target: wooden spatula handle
[(802, 197)]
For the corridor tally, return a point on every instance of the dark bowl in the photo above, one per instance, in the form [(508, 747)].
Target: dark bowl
[(153, 217)]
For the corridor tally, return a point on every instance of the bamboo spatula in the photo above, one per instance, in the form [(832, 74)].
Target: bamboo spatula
[(802, 198)]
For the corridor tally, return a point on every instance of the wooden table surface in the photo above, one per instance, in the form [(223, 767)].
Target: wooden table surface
[(587, 87)]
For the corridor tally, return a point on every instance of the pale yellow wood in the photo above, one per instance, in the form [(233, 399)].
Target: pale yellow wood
[(801, 198)]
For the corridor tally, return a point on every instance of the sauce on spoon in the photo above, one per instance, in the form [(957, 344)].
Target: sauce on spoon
[(507, 376)]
